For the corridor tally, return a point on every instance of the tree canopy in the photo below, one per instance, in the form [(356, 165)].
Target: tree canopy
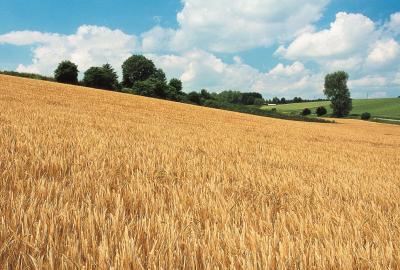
[(66, 72), (338, 93), (101, 77), (138, 68)]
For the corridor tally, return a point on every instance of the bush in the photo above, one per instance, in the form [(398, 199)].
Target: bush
[(259, 102), (321, 111), (151, 87), (66, 72), (306, 111), (194, 97), (101, 77), (366, 116)]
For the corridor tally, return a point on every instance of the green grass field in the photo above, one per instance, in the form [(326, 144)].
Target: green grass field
[(383, 107)]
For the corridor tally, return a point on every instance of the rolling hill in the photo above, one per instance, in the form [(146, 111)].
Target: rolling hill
[(91, 179), (383, 107)]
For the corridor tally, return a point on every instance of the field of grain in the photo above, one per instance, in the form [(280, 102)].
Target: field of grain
[(92, 179)]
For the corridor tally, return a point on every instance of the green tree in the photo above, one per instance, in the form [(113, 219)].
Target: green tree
[(101, 77), (174, 90), (66, 72), (160, 75), (204, 94), (151, 87), (112, 75), (338, 93), (176, 84), (137, 68), (230, 96), (276, 100), (194, 97), (259, 101)]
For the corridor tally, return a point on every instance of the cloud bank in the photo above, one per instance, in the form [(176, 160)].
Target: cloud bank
[(368, 50)]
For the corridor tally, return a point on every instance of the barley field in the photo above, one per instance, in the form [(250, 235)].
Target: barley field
[(92, 179)]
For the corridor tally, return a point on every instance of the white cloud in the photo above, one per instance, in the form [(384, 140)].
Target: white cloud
[(394, 24), (352, 42), (156, 39), (369, 81), (28, 37), (200, 69), (383, 53), (281, 70), (89, 46), (232, 26), (349, 64), (367, 50), (346, 35)]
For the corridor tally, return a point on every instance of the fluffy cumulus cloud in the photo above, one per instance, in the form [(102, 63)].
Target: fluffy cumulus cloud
[(345, 36), (394, 24), (200, 68), (383, 52), (208, 30), (356, 44), (232, 26), (89, 46)]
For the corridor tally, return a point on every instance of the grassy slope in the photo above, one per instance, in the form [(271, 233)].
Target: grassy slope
[(384, 107)]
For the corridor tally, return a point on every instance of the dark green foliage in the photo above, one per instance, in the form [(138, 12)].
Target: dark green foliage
[(138, 68), (27, 75), (337, 92), (297, 100), (259, 101), (177, 84), (174, 90), (160, 75), (249, 98), (321, 111), (256, 111), (66, 72), (229, 96), (306, 112), (101, 77), (236, 97), (366, 116), (283, 100), (205, 94), (194, 97), (151, 87)]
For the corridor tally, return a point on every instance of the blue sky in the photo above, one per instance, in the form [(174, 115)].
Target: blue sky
[(281, 48)]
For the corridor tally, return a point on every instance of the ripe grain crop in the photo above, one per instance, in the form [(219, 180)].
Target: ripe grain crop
[(92, 179)]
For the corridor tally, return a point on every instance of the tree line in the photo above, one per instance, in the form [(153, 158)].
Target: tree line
[(140, 76)]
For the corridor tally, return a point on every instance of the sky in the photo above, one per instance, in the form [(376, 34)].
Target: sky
[(279, 48)]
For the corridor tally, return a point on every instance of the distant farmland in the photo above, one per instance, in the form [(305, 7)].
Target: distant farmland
[(92, 179), (383, 107)]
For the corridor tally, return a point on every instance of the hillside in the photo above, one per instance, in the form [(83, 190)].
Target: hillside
[(383, 107), (95, 179)]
